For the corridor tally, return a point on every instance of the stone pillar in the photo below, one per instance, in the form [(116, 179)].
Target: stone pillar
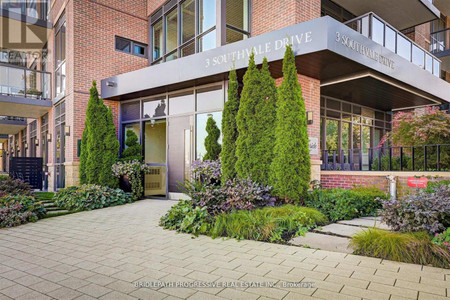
[(72, 173)]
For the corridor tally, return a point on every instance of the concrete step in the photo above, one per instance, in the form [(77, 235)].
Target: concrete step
[(340, 230), (366, 222), (53, 212), (323, 242)]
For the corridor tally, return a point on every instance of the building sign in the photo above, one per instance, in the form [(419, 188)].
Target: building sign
[(259, 49), (313, 146), (364, 50), (421, 182)]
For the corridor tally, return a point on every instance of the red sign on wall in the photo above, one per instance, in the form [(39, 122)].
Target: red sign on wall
[(421, 182)]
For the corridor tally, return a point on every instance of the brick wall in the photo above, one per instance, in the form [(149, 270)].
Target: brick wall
[(269, 15), (153, 5), (349, 181)]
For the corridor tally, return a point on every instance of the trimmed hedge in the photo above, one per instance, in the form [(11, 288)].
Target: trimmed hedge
[(341, 204), (90, 196)]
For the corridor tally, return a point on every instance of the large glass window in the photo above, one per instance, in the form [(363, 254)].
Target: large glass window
[(158, 35), (201, 134), (210, 98), (188, 20), (154, 108), (181, 103), (237, 20), (60, 57), (171, 31), (207, 15), (133, 127)]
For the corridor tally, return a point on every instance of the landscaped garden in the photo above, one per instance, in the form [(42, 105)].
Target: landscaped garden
[(257, 184)]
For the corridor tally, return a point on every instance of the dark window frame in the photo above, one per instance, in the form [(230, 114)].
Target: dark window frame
[(132, 45)]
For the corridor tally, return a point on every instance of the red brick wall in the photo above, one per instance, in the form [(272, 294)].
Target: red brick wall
[(269, 15), (346, 181), (153, 5)]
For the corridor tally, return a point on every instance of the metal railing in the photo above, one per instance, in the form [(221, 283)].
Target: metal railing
[(398, 158), (9, 118), (373, 27), (440, 41), (23, 82)]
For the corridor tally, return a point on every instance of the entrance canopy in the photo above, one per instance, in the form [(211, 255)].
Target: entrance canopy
[(350, 66)]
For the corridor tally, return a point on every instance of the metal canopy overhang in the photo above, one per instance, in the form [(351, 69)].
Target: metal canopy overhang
[(443, 6), (320, 53), (413, 12), (23, 107), (11, 126)]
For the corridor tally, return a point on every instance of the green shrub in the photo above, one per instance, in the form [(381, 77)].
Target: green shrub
[(212, 146), (90, 196), (414, 247), (184, 217), (395, 163), (432, 185), (341, 204), (442, 239), (134, 149), (3, 177), (273, 224), (27, 203)]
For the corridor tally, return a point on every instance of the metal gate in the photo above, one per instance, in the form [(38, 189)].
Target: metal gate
[(28, 169)]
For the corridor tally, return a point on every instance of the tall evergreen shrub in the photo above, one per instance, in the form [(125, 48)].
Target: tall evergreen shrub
[(229, 129), (212, 145), (134, 149), (291, 167), (255, 122), (99, 145)]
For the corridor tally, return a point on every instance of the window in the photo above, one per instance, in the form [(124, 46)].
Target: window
[(60, 57), (181, 103), (237, 20), (185, 27), (131, 47)]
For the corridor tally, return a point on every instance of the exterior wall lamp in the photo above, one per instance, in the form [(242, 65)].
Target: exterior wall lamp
[(25, 145), (309, 117), (49, 137), (36, 142), (67, 130)]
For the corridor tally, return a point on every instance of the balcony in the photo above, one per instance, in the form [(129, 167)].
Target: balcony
[(401, 14), (379, 31), (443, 6), (38, 10), (11, 125), (24, 92), (440, 46)]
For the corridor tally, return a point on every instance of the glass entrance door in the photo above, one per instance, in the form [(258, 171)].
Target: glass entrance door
[(180, 154), (155, 183)]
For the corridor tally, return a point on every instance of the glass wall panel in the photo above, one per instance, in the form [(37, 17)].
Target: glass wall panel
[(158, 36), (155, 141), (189, 49), (364, 30), (181, 103), (155, 108), (418, 56), (200, 133), (135, 127), (436, 68), (172, 31), (429, 63), (332, 134), (207, 15), (130, 111), (377, 135), (377, 31), (345, 135), (356, 135), (210, 98), (390, 40), (187, 20), (403, 47), (237, 13), (207, 41), (235, 36)]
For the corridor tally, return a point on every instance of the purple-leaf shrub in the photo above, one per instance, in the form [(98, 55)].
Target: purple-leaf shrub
[(234, 194), (208, 170), (421, 211), (13, 215)]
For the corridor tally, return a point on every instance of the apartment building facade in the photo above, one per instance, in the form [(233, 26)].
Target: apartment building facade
[(163, 68)]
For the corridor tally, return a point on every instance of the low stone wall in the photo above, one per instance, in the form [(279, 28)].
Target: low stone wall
[(350, 179)]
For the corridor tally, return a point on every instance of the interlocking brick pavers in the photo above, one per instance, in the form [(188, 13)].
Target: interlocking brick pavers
[(103, 253)]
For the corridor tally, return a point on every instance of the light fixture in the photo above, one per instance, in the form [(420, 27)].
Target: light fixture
[(67, 130), (49, 137), (309, 117), (36, 142), (25, 145), (110, 83)]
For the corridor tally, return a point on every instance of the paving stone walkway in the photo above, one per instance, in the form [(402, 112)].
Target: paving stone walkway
[(336, 236), (102, 254)]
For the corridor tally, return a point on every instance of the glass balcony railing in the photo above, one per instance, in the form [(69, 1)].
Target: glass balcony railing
[(38, 9), (440, 41), (376, 29), (9, 118), (22, 82)]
